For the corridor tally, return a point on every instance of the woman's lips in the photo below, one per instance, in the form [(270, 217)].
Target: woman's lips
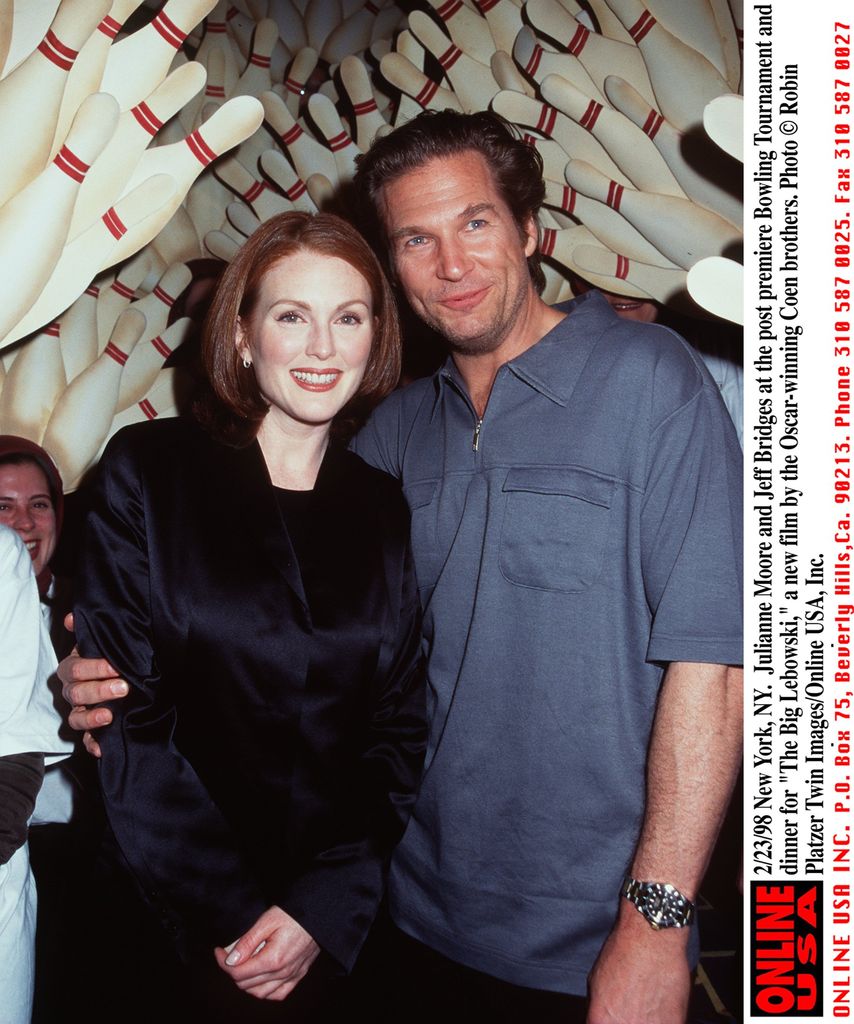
[(316, 380)]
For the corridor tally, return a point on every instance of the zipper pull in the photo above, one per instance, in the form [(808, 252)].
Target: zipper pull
[(475, 441)]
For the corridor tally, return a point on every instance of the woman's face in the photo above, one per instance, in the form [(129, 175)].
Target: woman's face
[(309, 336), (27, 506)]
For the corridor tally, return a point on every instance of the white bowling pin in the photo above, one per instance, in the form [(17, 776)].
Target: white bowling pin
[(33, 385), (221, 246), (7, 15), (707, 188), (684, 231), (468, 29), (606, 22), (116, 296), (558, 288), (302, 66), (694, 24), (537, 62), (264, 200), (291, 24), (91, 252), (177, 240), (345, 151), (256, 76), (504, 18), (162, 400), (147, 359), (723, 120), (369, 121), (388, 21), (233, 122), (682, 79), (627, 277), (216, 38), (471, 81), (82, 417), (353, 34), (277, 168), (85, 77), (630, 149), (34, 223), (729, 19), (613, 230), (137, 64), (507, 74), (307, 155), (136, 128), (78, 333), (426, 92), (553, 155), (599, 55), (31, 95), (321, 189), (717, 285), (320, 19), (561, 246), (242, 218), (157, 304)]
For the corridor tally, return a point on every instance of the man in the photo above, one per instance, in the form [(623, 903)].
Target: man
[(575, 492)]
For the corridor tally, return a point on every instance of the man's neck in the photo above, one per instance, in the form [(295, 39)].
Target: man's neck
[(479, 370)]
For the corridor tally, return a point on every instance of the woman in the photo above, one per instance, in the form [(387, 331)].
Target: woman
[(251, 579)]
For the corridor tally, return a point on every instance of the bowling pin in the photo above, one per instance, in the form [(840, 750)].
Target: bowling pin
[(471, 81), (572, 137), (682, 79), (408, 45), (82, 416), (162, 401), (321, 190), (277, 168), (504, 19), (614, 231), (507, 75), (291, 24), (31, 95), (694, 24), (264, 200), (369, 121), (91, 252), (537, 63), (387, 23), (320, 19), (33, 385), (136, 128), (723, 120), (468, 29), (78, 333), (217, 39), (34, 223), (607, 23), (630, 149), (729, 18), (116, 296), (85, 76), (233, 122), (553, 155), (256, 76), (7, 15), (557, 287), (157, 304), (684, 231), (351, 36), (146, 360), (307, 155), (626, 277), (242, 218), (561, 246), (221, 246), (717, 285), (302, 66), (137, 64), (599, 55), (708, 188), (177, 240), (345, 151), (400, 72)]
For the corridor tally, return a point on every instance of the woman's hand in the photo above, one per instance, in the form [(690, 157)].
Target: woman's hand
[(270, 958)]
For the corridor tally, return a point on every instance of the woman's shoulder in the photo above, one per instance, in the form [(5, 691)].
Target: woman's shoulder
[(370, 485)]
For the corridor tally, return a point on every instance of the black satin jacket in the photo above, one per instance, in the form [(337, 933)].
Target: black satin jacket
[(267, 754)]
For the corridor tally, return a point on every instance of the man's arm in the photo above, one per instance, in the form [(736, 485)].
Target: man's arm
[(642, 975)]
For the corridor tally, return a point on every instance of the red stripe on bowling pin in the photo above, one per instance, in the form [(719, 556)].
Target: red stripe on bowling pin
[(291, 135), (534, 62), (615, 195), (164, 296), (365, 108), (450, 57), (92, 290), (214, 26), (640, 28), (372, 8), (146, 118), (231, 13), (57, 52), (296, 190), (147, 409), (449, 9), (653, 122), (578, 41), (292, 85), (70, 164), (546, 123), (116, 229), (622, 271), (161, 346), (114, 352), (590, 115), (339, 142), (427, 93), (485, 5), (169, 30), (548, 243), (254, 190), (52, 329), (119, 287), (259, 60), (568, 202), (199, 148), (216, 91), (110, 27)]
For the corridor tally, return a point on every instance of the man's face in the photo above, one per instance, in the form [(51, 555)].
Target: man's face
[(457, 251)]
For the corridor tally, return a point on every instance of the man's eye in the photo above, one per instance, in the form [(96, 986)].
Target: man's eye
[(477, 223), (415, 241)]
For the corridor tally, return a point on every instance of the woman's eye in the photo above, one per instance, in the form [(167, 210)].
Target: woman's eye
[(289, 318), (349, 319)]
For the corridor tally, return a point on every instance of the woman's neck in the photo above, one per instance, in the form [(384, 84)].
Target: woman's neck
[(293, 451)]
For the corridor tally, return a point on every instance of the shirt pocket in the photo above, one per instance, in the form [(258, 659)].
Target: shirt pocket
[(422, 500), (555, 529)]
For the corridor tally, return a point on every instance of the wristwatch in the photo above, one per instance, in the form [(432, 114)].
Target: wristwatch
[(661, 903)]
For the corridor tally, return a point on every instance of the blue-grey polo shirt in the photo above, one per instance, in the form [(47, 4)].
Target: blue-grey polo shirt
[(591, 535)]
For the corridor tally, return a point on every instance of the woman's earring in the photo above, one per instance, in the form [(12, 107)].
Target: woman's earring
[(246, 363)]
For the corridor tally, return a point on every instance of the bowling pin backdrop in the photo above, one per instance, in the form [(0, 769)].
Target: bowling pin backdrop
[(150, 135)]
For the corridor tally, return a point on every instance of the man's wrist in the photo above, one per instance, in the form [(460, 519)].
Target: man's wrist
[(661, 904)]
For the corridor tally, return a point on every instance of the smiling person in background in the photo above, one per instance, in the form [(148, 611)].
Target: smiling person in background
[(252, 581)]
